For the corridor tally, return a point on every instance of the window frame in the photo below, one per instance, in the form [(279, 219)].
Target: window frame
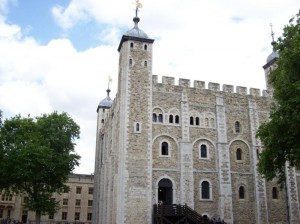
[(209, 190), (161, 149), (200, 151)]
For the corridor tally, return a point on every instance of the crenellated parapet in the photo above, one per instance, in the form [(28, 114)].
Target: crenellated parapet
[(216, 87)]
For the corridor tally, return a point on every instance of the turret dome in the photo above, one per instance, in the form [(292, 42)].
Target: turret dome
[(105, 103), (136, 31)]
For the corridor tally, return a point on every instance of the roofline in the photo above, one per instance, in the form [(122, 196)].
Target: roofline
[(269, 63), (126, 38)]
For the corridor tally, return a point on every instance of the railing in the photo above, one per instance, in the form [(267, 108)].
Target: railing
[(177, 214)]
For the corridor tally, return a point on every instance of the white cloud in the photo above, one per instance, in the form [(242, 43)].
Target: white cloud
[(214, 41)]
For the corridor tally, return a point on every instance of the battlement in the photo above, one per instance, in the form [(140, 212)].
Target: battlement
[(170, 81)]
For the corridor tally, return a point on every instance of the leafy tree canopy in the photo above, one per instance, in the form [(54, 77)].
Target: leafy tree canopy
[(281, 135), (36, 157)]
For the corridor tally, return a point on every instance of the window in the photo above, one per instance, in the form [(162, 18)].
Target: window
[(65, 201), (191, 121), (160, 118), (51, 216), (154, 117), (257, 153), (1, 213), (164, 149), (77, 202), (145, 63), (241, 192), (131, 45), (145, 47), (64, 215), (89, 216), (90, 202), (238, 154), (91, 190), (206, 122), (78, 190), (177, 119), (77, 215), (237, 127), (130, 62), (137, 127), (205, 190), (274, 193), (197, 121), (203, 151), (25, 200), (171, 118)]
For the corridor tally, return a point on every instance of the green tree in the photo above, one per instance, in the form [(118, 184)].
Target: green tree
[(281, 135), (36, 157)]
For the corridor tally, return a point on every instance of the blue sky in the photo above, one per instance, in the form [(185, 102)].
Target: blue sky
[(57, 54)]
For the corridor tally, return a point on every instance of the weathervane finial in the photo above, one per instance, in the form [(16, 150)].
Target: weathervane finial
[(138, 5), (272, 33)]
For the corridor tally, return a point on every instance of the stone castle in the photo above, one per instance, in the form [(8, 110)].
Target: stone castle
[(177, 144)]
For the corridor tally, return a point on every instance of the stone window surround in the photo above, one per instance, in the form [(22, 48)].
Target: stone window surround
[(242, 155), (245, 193), (169, 148), (210, 190), (135, 127), (207, 151), (239, 127)]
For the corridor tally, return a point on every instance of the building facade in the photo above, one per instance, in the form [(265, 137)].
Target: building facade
[(76, 205), (182, 144)]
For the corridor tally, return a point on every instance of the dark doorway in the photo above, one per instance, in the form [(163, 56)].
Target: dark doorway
[(165, 192)]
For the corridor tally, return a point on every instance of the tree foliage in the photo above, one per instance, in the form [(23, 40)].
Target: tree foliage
[(281, 135), (36, 157)]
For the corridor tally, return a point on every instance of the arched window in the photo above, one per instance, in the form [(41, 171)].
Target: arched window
[(274, 193), (137, 127), (206, 122), (197, 121), (145, 63), (130, 61), (171, 118), (160, 118), (212, 122), (237, 127), (164, 149), (238, 154), (102, 121), (131, 45), (191, 121), (205, 190), (145, 47), (177, 119), (241, 192), (154, 117), (203, 151)]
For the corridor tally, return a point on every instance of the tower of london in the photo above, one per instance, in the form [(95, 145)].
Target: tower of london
[(186, 144)]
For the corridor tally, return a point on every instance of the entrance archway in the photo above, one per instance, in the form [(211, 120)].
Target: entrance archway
[(165, 191)]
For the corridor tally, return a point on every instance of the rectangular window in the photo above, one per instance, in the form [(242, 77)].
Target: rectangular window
[(51, 216), (1, 213), (89, 216), (25, 200), (64, 216), (78, 190), (77, 215), (65, 201), (90, 202), (91, 190), (78, 202)]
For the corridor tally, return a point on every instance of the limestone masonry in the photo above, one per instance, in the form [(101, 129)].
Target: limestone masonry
[(183, 144)]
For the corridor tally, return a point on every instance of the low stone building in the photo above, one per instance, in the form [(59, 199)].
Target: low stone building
[(183, 144), (76, 205)]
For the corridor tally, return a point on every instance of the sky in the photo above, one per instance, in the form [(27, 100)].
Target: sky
[(56, 55)]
